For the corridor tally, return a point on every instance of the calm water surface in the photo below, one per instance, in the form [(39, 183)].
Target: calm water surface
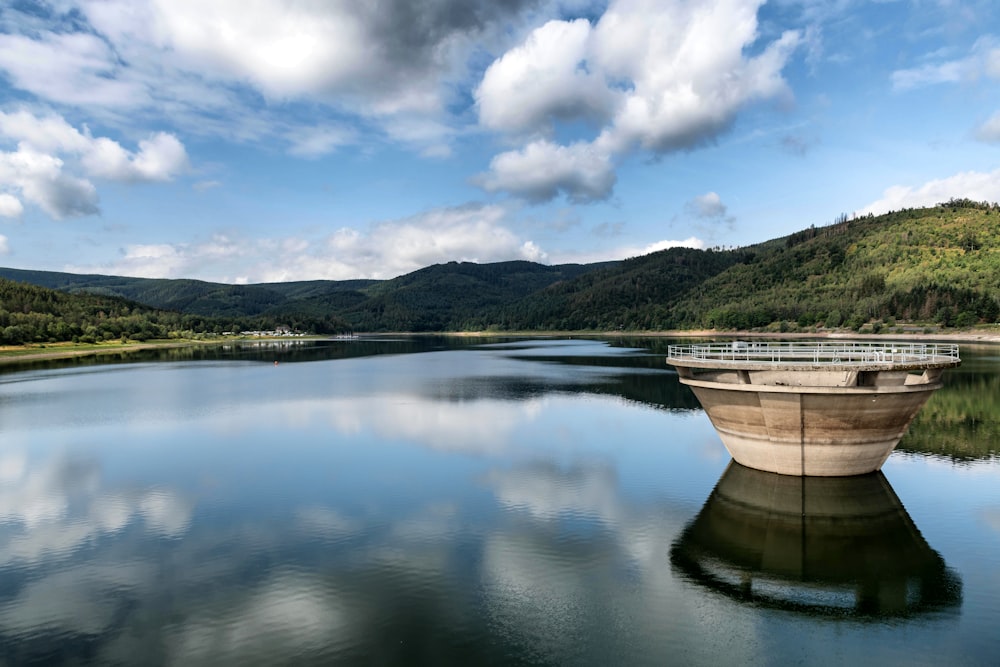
[(436, 501)]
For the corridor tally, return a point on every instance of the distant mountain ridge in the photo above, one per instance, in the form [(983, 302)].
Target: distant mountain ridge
[(196, 297), (438, 297), (938, 265)]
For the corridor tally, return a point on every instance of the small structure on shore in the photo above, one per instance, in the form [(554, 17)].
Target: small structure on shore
[(819, 408)]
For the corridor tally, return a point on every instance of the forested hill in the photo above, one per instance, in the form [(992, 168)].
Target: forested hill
[(195, 297), (638, 293), (937, 265), (933, 265), (452, 296), (458, 295), (33, 314)]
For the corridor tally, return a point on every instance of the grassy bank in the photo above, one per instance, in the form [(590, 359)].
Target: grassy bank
[(36, 352)]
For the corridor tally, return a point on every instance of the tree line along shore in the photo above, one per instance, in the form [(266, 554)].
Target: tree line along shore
[(22, 354)]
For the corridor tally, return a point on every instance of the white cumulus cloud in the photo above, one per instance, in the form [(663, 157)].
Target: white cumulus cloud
[(542, 170), (390, 248), (10, 206), (159, 158), (41, 180), (689, 69), (624, 251), (660, 76), (53, 161), (708, 211), (49, 133), (974, 185), (544, 79), (474, 233), (708, 205), (234, 68)]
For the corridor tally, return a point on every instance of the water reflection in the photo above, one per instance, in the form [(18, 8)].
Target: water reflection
[(828, 546), (961, 421), (480, 505), (52, 507), (528, 367)]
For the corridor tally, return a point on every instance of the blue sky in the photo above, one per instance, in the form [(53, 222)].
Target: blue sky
[(267, 140)]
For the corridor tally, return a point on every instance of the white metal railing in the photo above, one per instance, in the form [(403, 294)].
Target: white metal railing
[(817, 352)]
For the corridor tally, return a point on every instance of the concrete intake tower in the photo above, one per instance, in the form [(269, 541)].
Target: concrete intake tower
[(820, 409)]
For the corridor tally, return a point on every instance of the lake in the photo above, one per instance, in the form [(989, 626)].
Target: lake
[(436, 500)]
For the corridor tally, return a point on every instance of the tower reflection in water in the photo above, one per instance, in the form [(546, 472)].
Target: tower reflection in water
[(840, 546)]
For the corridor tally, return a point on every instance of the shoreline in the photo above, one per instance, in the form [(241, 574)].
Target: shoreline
[(21, 355), (955, 337)]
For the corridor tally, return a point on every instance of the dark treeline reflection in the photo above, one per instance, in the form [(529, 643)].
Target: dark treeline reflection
[(828, 546), (292, 351), (264, 351), (644, 378), (962, 419)]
